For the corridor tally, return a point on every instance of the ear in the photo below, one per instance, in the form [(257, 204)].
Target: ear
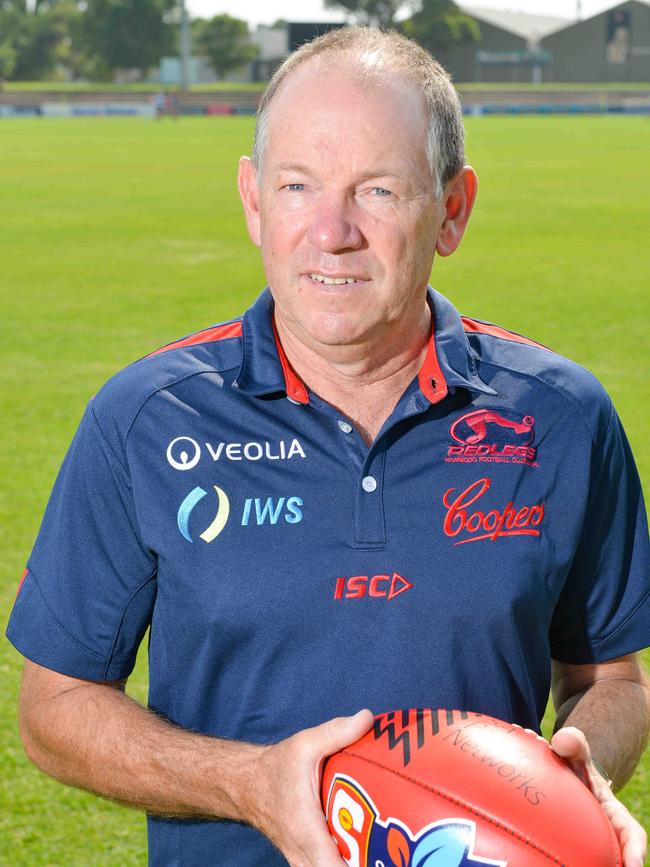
[(458, 201), (250, 197)]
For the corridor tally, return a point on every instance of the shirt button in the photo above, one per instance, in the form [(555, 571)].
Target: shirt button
[(345, 426), (369, 484)]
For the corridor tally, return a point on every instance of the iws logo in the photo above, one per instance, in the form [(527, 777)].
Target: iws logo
[(184, 453), (255, 512), (491, 524), (220, 518), (493, 436), (364, 839)]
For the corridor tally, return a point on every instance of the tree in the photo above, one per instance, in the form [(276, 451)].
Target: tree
[(439, 24), (11, 28), (128, 34), (35, 38), (225, 42), (380, 13)]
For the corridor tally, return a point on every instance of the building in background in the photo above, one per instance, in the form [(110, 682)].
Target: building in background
[(510, 48), (515, 48), (612, 46), (170, 71), (273, 46), (275, 43)]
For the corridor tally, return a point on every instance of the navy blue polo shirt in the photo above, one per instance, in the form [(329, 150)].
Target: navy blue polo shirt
[(289, 573)]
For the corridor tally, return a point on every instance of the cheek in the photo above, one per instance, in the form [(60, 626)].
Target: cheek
[(425, 235), (276, 246), (281, 232)]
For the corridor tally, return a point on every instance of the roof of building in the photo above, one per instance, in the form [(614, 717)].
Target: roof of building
[(524, 24)]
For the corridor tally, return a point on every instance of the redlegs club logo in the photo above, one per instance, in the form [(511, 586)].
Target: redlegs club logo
[(382, 586), (493, 436), (473, 525)]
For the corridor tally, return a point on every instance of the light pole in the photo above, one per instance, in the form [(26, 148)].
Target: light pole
[(186, 47)]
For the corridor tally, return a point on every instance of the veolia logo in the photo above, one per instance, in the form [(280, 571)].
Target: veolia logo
[(188, 453)]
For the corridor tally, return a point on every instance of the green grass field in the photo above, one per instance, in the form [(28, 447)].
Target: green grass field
[(119, 235)]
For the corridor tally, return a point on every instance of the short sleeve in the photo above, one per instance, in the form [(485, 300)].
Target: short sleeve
[(604, 609), (89, 589)]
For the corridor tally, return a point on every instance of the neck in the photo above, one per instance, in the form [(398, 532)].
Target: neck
[(363, 381)]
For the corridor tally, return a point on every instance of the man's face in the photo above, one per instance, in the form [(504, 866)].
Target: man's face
[(344, 210)]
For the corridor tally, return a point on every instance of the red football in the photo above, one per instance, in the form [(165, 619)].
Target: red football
[(439, 788)]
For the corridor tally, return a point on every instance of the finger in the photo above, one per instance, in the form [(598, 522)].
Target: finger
[(632, 837), (635, 846), (571, 744), (344, 730)]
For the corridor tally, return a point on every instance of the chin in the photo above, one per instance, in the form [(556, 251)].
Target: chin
[(336, 331)]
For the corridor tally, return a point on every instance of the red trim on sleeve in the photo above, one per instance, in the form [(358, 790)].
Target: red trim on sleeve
[(22, 581), (432, 380), (209, 335), (472, 325), (295, 387)]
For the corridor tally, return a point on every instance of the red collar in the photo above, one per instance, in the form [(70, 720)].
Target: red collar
[(430, 377)]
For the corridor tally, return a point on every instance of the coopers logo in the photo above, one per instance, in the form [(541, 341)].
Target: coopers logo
[(493, 436), (487, 524), (382, 586), (184, 453), (254, 512)]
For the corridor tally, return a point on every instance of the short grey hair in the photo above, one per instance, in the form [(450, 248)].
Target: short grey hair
[(377, 52)]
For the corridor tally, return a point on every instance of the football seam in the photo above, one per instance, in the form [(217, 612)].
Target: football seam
[(458, 803)]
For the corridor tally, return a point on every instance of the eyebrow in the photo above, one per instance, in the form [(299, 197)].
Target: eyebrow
[(374, 173), (293, 167)]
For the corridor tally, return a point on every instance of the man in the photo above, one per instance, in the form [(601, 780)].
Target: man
[(294, 503)]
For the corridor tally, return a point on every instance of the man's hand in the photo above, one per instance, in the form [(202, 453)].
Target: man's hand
[(571, 744), (94, 736), (287, 806)]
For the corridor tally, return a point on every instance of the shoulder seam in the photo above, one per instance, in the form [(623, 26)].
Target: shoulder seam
[(554, 388), (108, 445), (193, 338), (507, 334), (170, 385)]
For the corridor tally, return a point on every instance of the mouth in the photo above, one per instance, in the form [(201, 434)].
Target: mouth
[(335, 279)]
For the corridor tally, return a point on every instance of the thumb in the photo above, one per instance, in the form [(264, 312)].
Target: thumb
[(571, 744), (344, 730)]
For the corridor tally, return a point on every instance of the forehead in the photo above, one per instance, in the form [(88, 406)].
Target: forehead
[(336, 114)]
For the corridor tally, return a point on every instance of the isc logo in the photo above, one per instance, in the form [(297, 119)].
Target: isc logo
[(376, 586)]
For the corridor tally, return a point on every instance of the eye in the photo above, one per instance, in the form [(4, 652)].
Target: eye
[(294, 188), (381, 192)]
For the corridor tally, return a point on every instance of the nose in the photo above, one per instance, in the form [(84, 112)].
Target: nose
[(334, 227)]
